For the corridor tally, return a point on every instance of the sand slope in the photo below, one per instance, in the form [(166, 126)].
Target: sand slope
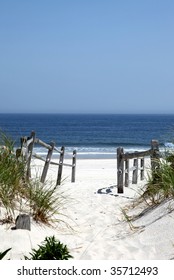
[(97, 229)]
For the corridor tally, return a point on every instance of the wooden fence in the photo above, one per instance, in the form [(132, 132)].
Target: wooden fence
[(123, 168), (27, 151)]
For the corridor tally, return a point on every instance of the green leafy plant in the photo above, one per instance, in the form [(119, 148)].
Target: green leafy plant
[(51, 249), (2, 255)]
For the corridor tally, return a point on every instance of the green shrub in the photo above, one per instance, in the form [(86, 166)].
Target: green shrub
[(2, 255), (51, 249)]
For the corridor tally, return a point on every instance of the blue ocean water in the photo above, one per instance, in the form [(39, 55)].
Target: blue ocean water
[(91, 135)]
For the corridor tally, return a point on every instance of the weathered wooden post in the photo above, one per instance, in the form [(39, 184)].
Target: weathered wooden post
[(60, 169), (154, 154), (135, 171), (47, 162), (24, 148), (155, 158), (142, 168), (126, 172), (23, 222), (120, 169), (73, 166), (30, 150)]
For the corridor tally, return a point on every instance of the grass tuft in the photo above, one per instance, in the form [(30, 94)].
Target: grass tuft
[(42, 201), (45, 201), (160, 185)]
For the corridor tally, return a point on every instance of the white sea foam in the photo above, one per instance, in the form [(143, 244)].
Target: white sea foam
[(95, 152), (169, 145), (88, 152)]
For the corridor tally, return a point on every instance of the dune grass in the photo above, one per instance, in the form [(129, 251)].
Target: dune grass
[(12, 172), (160, 185), (45, 201), (158, 189), (41, 201)]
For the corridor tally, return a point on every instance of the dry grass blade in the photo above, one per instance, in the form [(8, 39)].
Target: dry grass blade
[(45, 201)]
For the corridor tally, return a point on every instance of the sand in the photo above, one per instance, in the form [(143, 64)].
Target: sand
[(95, 227)]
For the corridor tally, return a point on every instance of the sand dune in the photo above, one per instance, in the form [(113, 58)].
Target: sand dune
[(97, 229)]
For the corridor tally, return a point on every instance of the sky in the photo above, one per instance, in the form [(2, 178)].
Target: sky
[(87, 56)]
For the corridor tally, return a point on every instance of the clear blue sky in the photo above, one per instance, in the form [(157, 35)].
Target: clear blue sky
[(87, 56)]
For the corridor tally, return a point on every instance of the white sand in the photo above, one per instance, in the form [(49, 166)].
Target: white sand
[(99, 230)]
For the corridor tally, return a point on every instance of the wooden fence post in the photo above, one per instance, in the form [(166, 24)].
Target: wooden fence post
[(30, 150), (47, 162), (135, 171), (61, 159), (142, 168), (122, 157), (24, 148), (23, 222), (73, 166), (126, 172), (120, 169), (154, 158), (154, 154)]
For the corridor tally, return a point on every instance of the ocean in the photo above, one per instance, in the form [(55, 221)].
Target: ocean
[(92, 135)]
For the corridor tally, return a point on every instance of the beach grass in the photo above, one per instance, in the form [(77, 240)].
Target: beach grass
[(41, 201), (158, 190), (45, 201), (12, 184), (160, 184)]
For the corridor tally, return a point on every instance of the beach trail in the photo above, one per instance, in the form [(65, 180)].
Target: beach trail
[(94, 226)]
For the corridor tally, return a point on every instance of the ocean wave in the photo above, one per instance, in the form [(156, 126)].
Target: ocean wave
[(92, 150), (97, 152), (89, 152), (169, 145)]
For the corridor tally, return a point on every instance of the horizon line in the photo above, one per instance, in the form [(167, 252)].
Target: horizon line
[(73, 113)]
